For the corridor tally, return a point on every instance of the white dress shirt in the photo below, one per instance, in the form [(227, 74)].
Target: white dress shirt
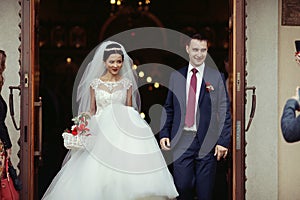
[(199, 76)]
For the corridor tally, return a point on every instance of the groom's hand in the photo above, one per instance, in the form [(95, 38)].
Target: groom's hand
[(165, 144), (220, 152)]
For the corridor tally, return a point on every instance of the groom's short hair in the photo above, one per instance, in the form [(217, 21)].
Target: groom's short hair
[(197, 36)]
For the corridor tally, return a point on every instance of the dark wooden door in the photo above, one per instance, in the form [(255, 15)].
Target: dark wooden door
[(30, 128), (27, 107), (237, 60)]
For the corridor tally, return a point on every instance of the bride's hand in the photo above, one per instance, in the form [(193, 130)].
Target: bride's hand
[(87, 113)]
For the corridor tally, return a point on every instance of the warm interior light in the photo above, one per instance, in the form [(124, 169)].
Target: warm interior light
[(149, 79), (141, 74), (69, 60), (134, 67), (112, 1), (156, 85), (58, 44), (143, 115)]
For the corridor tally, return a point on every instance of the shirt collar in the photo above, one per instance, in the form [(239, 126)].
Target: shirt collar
[(199, 68)]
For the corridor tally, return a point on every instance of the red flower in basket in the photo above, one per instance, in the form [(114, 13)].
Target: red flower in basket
[(74, 130), (81, 128), (76, 138), (209, 87), (80, 123)]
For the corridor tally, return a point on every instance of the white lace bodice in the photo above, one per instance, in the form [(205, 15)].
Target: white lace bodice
[(107, 93)]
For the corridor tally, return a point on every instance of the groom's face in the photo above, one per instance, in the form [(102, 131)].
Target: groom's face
[(197, 50)]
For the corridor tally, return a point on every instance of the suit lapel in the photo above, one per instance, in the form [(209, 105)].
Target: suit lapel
[(202, 92), (201, 96), (203, 86), (184, 74)]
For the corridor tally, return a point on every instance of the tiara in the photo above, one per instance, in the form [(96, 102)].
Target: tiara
[(113, 49)]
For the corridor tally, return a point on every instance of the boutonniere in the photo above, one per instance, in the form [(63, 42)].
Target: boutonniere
[(209, 87)]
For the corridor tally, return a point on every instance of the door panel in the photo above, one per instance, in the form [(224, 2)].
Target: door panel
[(27, 72), (238, 104)]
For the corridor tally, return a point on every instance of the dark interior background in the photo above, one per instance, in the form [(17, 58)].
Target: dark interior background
[(72, 28)]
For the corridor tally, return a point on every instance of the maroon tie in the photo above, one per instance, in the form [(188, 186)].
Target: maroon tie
[(190, 108)]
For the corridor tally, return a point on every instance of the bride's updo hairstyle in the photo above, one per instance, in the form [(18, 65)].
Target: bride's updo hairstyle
[(112, 49)]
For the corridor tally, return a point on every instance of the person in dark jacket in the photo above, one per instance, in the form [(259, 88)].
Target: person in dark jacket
[(4, 136), (290, 124), (196, 122)]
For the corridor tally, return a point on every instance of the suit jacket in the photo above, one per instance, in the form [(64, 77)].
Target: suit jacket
[(290, 124), (213, 113), (3, 129)]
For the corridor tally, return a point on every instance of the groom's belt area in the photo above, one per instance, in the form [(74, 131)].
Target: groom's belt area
[(189, 132)]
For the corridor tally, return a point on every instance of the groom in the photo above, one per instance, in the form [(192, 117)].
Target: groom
[(196, 124)]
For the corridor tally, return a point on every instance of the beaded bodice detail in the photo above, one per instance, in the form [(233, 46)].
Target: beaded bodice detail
[(107, 93)]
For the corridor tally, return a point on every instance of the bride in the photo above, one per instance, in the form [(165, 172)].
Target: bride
[(121, 159)]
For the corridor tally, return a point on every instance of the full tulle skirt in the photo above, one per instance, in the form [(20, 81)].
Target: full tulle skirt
[(121, 161)]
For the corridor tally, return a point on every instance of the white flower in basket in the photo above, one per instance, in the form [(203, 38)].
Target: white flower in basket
[(75, 138)]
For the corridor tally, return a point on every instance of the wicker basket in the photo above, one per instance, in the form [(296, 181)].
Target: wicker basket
[(72, 141)]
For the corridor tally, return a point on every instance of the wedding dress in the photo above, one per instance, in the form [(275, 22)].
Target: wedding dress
[(121, 159)]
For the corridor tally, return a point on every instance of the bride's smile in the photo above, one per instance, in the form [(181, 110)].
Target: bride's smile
[(114, 64)]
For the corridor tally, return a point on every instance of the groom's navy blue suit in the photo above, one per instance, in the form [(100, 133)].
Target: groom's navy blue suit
[(194, 163)]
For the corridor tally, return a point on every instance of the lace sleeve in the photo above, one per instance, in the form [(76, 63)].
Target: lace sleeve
[(127, 83), (95, 83)]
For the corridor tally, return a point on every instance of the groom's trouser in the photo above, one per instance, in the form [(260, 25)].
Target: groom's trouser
[(191, 171)]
